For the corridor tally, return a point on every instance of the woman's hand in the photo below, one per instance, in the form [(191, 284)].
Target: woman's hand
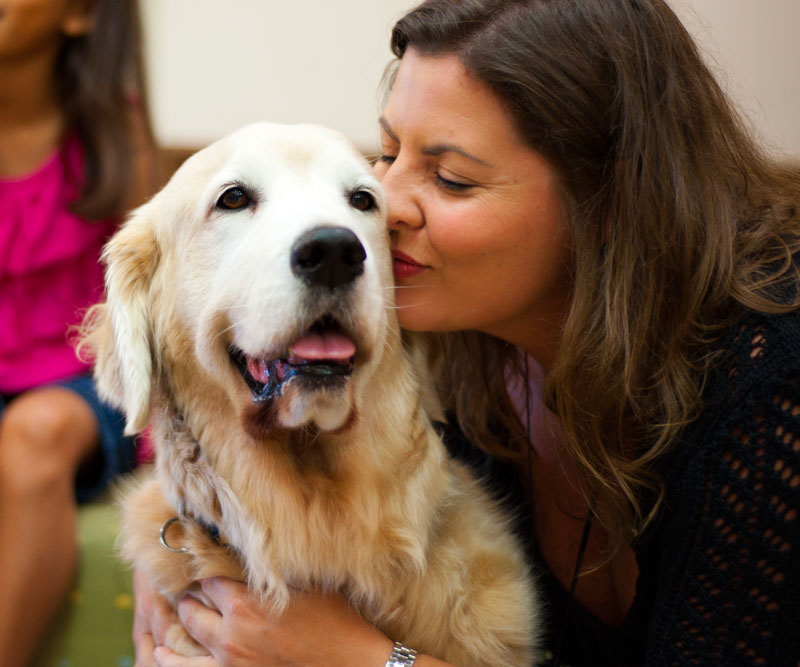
[(315, 630), (152, 616)]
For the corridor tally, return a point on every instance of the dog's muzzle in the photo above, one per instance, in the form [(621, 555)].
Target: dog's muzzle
[(324, 258)]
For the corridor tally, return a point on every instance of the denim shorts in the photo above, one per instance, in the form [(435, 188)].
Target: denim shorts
[(117, 453)]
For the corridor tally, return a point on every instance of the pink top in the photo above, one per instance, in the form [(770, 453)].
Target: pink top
[(542, 424), (49, 272)]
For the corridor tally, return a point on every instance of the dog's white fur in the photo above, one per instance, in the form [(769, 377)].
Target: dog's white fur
[(348, 488)]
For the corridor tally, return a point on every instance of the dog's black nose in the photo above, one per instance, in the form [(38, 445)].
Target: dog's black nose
[(328, 257)]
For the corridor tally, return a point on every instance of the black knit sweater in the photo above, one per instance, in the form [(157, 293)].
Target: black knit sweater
[(719, 580), (720, 574)]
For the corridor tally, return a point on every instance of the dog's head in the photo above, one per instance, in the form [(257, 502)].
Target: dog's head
[(259, 275)]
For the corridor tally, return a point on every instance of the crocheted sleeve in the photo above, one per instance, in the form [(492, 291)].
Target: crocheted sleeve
[(729, 581)]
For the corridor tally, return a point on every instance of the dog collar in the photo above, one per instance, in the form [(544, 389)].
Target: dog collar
[(211, 529)]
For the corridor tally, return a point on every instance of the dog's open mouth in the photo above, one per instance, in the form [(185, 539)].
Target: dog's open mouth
[(325, 352)]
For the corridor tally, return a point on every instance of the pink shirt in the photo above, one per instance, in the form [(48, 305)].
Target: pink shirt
[(542, 424), (49, 272)]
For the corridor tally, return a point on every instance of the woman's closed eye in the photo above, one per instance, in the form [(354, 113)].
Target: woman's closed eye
[(446, 183), (454, 186)]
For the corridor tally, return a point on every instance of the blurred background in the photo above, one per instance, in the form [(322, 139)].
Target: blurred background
[(214, 66)]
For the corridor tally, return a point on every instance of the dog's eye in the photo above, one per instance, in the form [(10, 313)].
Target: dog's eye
[(233, 198), (362, 200)]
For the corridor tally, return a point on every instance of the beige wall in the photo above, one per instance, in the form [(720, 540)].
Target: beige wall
[(215, 65), (754, 46)]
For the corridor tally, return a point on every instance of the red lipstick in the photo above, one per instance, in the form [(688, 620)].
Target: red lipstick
[(405, 266)]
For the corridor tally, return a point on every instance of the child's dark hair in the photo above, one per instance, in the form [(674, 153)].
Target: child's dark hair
[(101, 85)]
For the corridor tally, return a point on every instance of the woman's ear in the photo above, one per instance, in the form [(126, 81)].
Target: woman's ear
[(79, 19)]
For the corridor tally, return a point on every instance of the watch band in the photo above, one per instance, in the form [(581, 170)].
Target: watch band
[(401, 656)]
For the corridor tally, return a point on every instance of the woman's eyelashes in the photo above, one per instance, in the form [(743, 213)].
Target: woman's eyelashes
[(441, 181), (455, 186)]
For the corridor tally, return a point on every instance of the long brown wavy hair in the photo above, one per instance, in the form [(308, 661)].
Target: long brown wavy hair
[(679, 225), (101, 85)]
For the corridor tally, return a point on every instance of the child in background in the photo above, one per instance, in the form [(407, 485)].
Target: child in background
[(76, 153)]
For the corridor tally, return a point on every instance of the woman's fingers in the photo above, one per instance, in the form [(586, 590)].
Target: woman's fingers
[(153, 614), (221, 590), (200, 622), (162, 618), (165, 658), (143, 646)]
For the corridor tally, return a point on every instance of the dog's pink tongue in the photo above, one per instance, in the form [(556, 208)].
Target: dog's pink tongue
[(322, 347)]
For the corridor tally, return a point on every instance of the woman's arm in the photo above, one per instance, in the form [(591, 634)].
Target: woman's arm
[(316, 629)]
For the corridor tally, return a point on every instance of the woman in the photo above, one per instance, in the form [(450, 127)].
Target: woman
[(572, 198)]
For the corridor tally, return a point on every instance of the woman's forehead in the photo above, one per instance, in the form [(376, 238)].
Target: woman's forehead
[(438, 97)]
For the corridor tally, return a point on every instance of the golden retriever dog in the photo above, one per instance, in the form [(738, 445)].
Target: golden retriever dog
[(249, 319)]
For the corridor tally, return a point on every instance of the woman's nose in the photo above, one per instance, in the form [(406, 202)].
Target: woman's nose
[(402, 201)]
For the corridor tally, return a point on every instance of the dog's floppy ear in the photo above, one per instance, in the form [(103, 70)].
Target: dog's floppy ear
[(118, 333)]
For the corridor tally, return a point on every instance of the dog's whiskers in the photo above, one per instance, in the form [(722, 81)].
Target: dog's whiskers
[(399, 287), (222, 332), (410, 305), (237, 322)]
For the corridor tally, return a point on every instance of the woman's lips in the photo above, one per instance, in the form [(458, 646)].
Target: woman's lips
[(404, 266)]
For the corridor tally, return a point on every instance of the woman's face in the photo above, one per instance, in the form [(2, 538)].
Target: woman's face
[(476, 225)]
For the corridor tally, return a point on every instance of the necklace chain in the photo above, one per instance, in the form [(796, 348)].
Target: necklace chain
[(587, 523)]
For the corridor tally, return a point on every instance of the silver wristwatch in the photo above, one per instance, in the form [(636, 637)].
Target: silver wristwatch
[(402, 656)]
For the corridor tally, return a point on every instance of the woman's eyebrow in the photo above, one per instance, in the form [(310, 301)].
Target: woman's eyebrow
[(386, 128), (436, 149)]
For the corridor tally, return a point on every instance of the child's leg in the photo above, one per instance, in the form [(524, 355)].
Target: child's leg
[(45, 434)]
